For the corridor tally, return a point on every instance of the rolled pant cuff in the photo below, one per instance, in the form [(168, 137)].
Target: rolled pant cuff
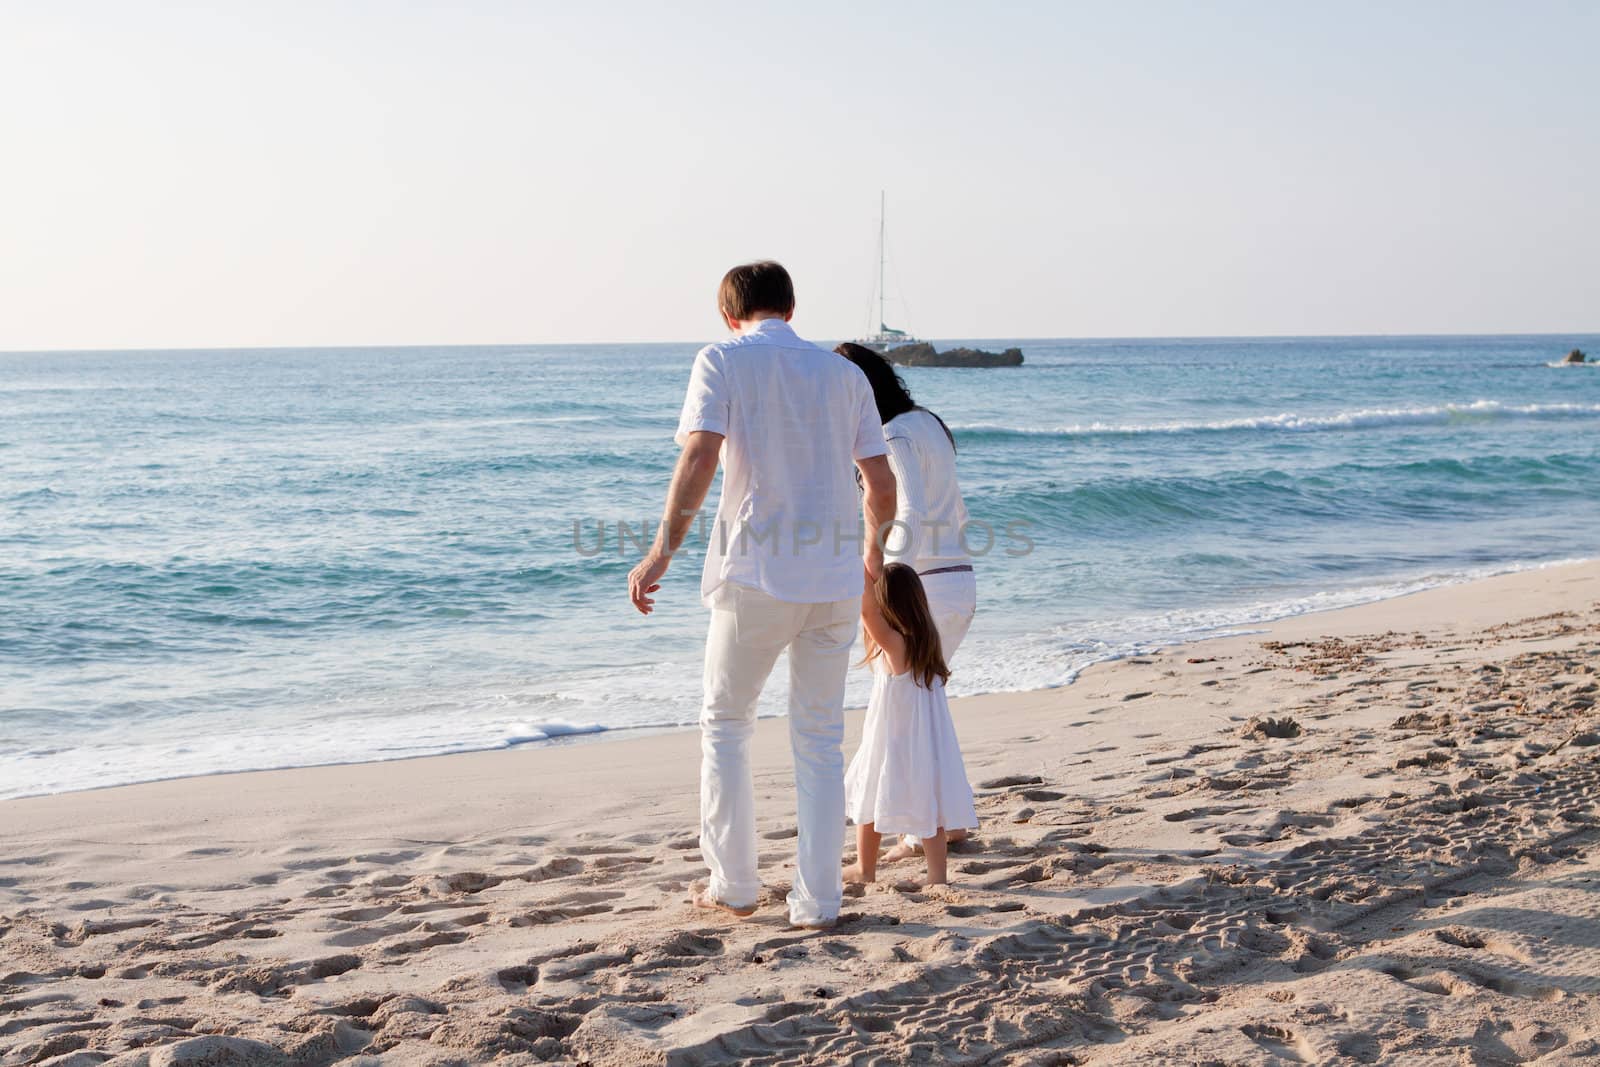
[(734, 898), (810, 912)]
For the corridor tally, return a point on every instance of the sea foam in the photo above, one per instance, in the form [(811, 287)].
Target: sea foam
[(1293, 422)]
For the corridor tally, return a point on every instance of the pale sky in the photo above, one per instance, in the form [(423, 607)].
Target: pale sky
[(190, 174)]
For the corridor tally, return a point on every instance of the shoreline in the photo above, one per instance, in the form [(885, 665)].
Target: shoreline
[(574, 734), (1161, 875), (1333, 621)]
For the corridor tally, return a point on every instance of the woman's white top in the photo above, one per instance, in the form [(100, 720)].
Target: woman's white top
[(928, 504), (908, 776)]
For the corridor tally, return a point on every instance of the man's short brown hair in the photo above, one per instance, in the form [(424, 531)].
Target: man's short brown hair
[(751, 288)]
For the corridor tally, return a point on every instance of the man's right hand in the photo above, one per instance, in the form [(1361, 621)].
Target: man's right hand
[(691, 479), (646, 579)]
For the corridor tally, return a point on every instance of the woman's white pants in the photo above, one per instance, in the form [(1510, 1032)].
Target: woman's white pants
[(953, 601)]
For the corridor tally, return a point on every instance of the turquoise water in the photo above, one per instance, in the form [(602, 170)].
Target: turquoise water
[(241, 559)]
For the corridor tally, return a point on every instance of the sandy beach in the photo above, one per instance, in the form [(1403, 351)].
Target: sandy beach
[(1365, 836)]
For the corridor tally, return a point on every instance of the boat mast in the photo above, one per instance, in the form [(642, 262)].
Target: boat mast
[(882, 256)]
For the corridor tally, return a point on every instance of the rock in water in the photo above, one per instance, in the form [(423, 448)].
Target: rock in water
[(923, 354), (1575, 356)]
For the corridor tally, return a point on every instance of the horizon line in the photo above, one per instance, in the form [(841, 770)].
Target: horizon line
[(700, 342)]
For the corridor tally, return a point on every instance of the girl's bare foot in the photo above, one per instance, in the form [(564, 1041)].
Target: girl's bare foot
[(907, 847), (902, 851)]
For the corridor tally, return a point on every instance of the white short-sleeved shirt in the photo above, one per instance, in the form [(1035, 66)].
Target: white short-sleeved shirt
[(928, 507), (794, 418)]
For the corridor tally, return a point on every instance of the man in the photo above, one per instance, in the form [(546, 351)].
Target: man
[(783, 571)]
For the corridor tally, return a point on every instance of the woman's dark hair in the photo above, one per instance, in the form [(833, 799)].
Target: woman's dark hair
[(888, 388)]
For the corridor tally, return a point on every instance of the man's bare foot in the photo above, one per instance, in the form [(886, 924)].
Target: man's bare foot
[(854, 875), (704, 900)]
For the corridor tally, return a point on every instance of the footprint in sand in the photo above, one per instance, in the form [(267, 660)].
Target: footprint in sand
[(1280, 1042), (1362, 1048), (685, 949), (1188, 814), (573, 968), (362, 915), (436, 905), (269, 980), (422, 944), (1512, 987), (598, 850), (560, 867), (972, 911), (517, 979), (1011, 780), (370, 934), (559, 913), (319, 864), (1419, 980), (471, 882)]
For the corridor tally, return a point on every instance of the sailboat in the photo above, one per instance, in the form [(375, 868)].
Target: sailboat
[(899, 347), (886, 336)]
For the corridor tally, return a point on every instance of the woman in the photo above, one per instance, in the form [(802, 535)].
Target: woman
[(931, 517)]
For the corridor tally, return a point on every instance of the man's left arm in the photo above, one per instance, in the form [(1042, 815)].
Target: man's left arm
[(691, 481)]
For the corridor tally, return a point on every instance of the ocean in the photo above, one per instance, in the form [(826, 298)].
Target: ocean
[(228, 560)]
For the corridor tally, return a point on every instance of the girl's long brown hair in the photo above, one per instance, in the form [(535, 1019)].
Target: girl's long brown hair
[(905, 608)]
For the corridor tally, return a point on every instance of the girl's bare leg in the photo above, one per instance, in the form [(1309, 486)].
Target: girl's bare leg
[(934, 849), (865, 868)]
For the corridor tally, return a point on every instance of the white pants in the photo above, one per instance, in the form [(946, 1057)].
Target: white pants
[(952, 601), (748, 631)]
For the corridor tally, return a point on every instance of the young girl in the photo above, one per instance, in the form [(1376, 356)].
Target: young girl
[(907, 777)]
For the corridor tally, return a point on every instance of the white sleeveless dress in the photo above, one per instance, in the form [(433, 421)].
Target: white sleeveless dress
[(908, 777)]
